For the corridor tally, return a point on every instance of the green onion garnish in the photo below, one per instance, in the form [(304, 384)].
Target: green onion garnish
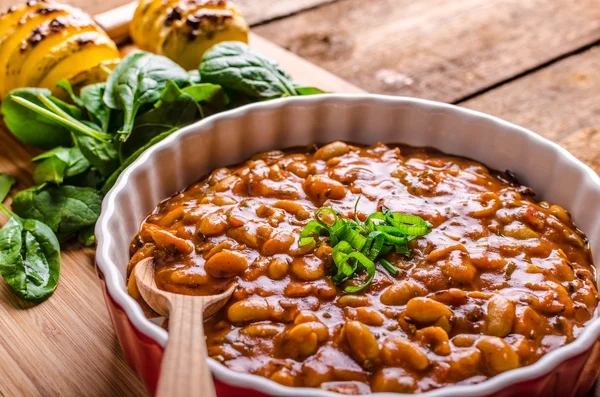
[(358, 246)]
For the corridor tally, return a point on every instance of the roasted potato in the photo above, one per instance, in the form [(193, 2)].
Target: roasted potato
[(42, 42), (184, 29)]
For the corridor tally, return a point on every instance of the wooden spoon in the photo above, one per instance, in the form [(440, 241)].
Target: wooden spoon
[(184, 370)]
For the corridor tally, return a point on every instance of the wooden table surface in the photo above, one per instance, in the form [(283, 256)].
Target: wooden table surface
[(532, 62)]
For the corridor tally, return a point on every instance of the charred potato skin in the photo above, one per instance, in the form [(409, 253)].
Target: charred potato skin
[(184, 29), (39, 39)]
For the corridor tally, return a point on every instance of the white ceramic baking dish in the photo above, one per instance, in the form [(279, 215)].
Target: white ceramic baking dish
[(233, 136)]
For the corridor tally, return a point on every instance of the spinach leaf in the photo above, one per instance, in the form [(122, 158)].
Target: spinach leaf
[(30, 127), (176, 108), (65, 209), (59, 163), (236, 66), (90, 178), (29, 257), (194, 77), (309, 91), (86, 236), (6, 183), (113, 178), (71, 110), (207, 93), (66, 85), (137, 81), (91, 98), (102, 155)]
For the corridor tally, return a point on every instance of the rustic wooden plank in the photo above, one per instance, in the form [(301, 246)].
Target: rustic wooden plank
[(555, 101), (255, 11), (436, 49), (259, 11), (70, 336), (66, 345)]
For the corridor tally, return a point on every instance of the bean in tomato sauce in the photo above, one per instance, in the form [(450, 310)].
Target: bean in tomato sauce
[(500, 280)]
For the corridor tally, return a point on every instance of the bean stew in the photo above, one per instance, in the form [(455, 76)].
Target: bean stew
[(498, 280)]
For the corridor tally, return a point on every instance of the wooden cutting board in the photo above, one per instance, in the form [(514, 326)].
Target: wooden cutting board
[(66, 346)]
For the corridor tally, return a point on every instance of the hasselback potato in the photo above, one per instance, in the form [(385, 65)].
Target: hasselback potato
[(42, 42), (184, 29)]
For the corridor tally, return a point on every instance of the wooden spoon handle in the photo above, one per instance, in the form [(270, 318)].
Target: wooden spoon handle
[(184, 369)]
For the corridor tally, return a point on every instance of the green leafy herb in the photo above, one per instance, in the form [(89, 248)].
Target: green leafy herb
[(236, 66), (86, 236), (174, 109), (52, 111), (138, 81), (65, 209), (113, 178), (66, 85), (194, 77), (31, 127), (59, 163), (91, 100), (29, 257), (6, 183), (358, 246), (309, 91), (103, 155)]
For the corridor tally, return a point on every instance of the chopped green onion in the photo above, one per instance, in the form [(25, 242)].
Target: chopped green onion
[(388, 266), (358, 246)]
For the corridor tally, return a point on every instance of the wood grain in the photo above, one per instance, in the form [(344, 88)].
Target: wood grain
[(436, 49), (66, 345), (255, 11), (555, 102)]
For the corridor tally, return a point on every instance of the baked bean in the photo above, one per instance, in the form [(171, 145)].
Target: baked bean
[(334, 149), (529, 323), (167, 241), (321, 188), (458, 267), (279, 244), (400, 293), (425, 310), (304, 317), (303, 339), (464, 364), (393, 380), (369, 316), (463, 340), (261, 330), (244, 235), (398, 351), (226, 183), (353, 301), (490, 204), (299, 168), (560, 213), (278, 269), (213, 225), (500, 316), (283, 377), (308, 268), (363, 344), (226, 264), (498, 355), (519, 231), (293, 208), (436, 338), (305, 249), (441, 253), (248, 310)]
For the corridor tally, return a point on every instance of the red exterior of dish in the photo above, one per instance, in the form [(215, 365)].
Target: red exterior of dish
[(571, 378)]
